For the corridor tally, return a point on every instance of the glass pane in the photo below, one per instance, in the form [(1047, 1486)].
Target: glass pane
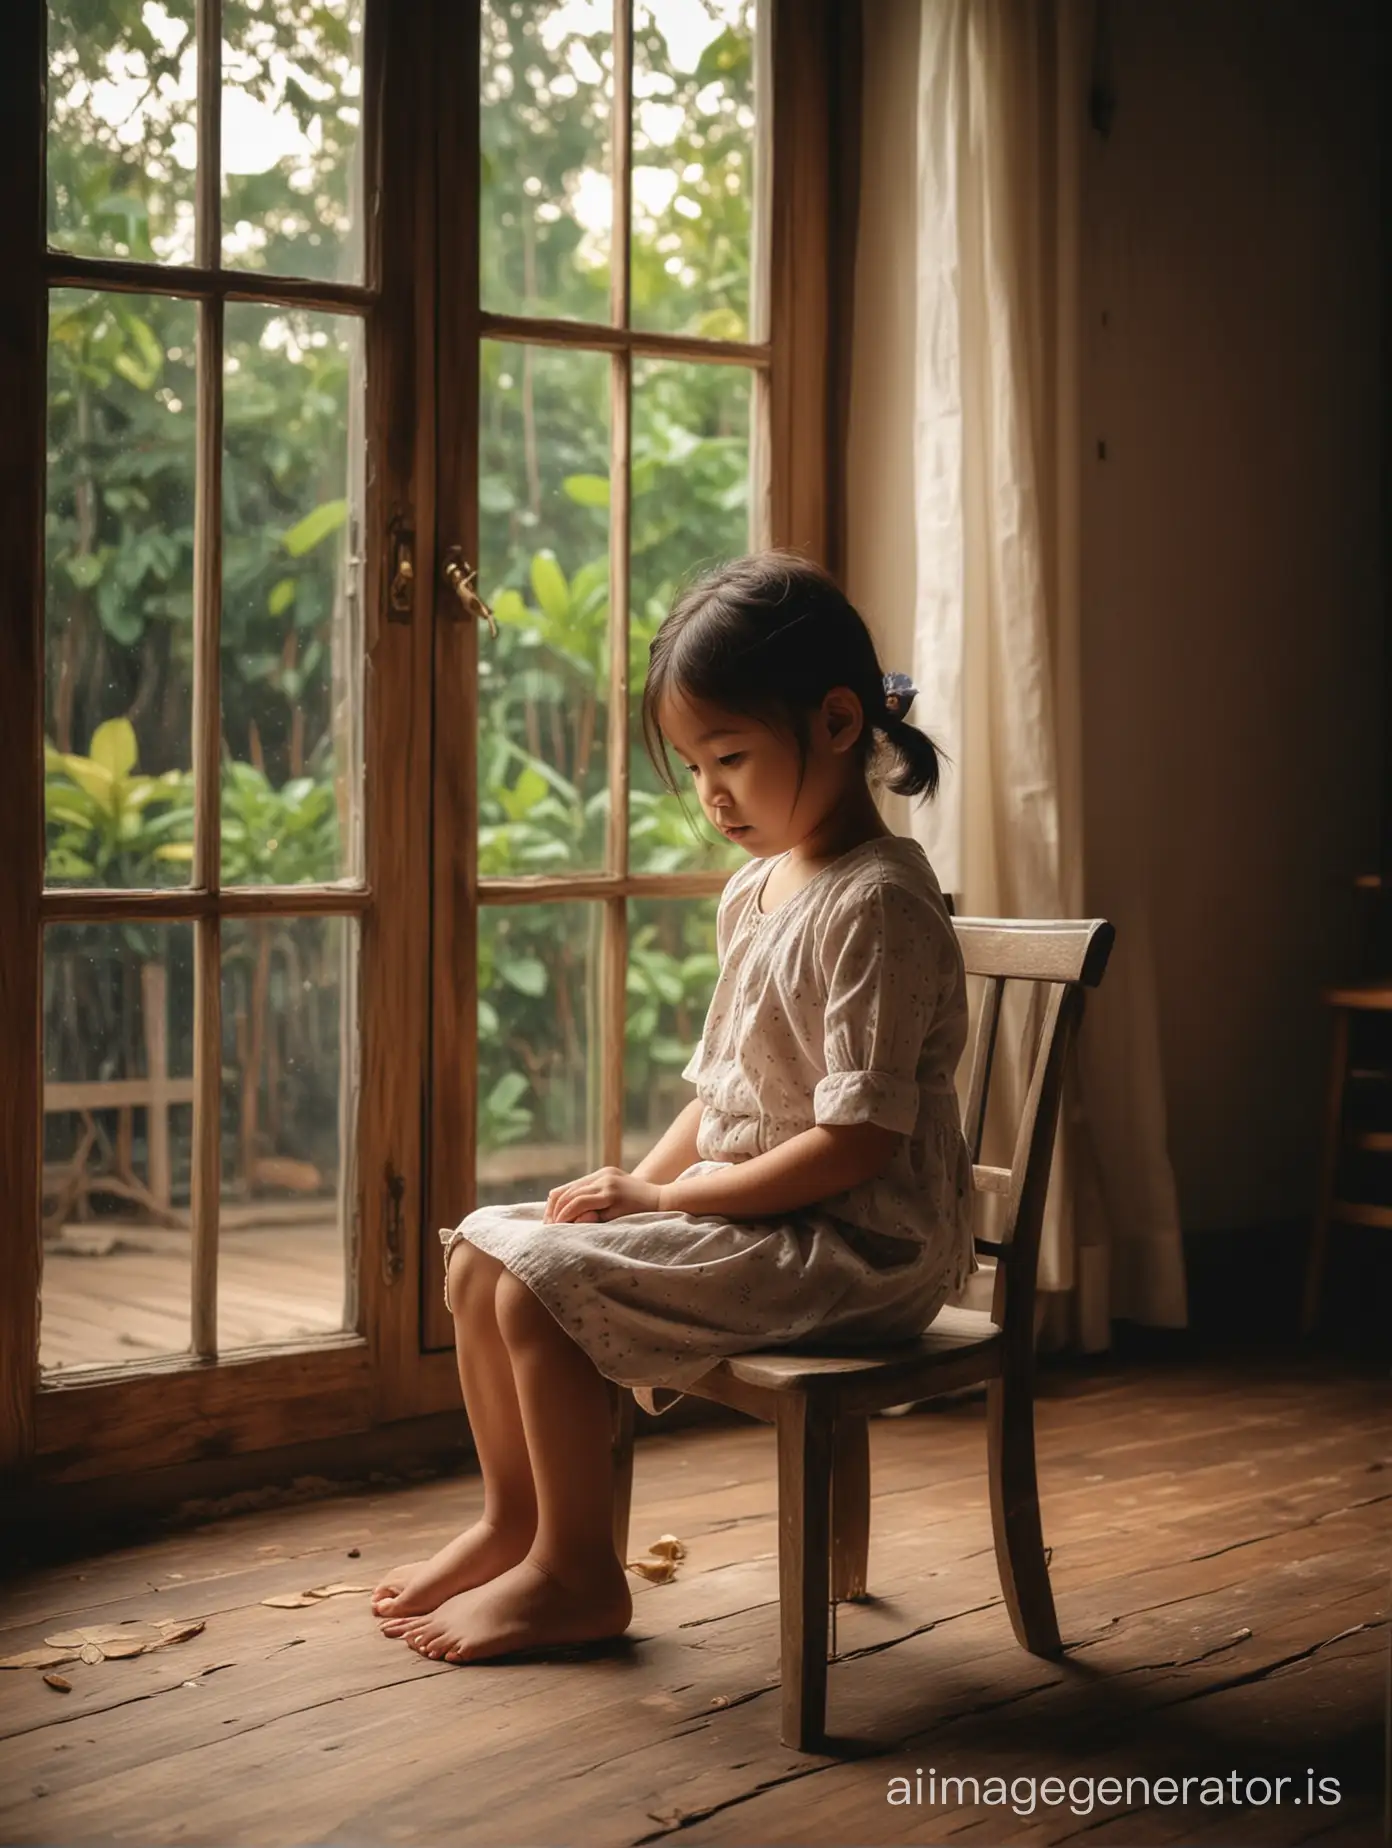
[(118, 1111), (539, 1048), (289, 1052), (291, 137), (118, 623), (291, 647), (547, 199), (122, 144), (671, 974), (690, 510), (694, 183), (544, 567)]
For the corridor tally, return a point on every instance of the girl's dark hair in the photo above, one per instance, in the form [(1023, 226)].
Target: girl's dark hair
[(769, 636)]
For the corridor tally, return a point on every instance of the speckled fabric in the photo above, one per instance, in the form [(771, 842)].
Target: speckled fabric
[(845, 1004)]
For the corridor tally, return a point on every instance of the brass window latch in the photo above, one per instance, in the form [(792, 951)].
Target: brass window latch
[(401, 588), (462, 579)]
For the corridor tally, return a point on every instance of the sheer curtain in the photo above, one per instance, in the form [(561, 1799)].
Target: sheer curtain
[(1001, 121)]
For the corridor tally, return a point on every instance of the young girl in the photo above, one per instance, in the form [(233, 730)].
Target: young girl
[(816, 1189)]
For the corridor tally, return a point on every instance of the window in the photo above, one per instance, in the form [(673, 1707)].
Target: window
[(299, 859)]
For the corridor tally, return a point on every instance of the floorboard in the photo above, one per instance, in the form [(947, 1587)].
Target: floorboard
[(1220, 1558)]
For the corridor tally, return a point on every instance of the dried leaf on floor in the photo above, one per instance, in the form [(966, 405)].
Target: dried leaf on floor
[(668, 1547), (91, 1655), (656, 1571), (103, 1633), (67, 1639), (125, 1648), (57, 1681), (177, 1630), (290, 1601), (336, 1591)]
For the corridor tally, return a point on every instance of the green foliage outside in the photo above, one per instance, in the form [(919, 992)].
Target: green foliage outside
[(121, 488)]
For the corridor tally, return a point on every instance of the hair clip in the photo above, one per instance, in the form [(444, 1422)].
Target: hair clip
[(900, 694)]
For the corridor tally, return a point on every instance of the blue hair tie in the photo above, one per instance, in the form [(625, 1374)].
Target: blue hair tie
[(899, 695)]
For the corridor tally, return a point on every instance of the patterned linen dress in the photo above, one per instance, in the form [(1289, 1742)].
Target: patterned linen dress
[(845, 1004)]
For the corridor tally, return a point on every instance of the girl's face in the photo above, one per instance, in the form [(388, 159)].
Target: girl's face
[(746, 773)]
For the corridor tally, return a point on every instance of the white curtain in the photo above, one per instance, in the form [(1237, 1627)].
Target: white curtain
[(1002, 116)]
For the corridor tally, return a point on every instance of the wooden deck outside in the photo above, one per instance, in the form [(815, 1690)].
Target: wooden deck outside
[(1220, 1562), (119, 1292)]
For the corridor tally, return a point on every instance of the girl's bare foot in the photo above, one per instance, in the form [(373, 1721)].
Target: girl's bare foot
[(527, 1607), (480, 1553)]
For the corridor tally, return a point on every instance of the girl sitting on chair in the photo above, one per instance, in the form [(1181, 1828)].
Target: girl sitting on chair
[(816, 1189)]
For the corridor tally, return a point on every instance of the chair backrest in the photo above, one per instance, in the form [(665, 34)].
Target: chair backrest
[(1060, 958)]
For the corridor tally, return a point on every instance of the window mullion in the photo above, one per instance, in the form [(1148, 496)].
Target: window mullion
[(614, 964), (207, 697)]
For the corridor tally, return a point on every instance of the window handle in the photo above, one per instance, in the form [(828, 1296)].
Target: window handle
[(462, 577), (401, 590)]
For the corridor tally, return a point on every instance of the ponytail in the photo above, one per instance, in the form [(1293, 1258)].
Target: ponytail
[(919, 764), (918, 756)]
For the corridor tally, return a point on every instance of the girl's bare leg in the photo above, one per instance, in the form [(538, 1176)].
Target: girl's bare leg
[(504, 1531), (570, 1587)]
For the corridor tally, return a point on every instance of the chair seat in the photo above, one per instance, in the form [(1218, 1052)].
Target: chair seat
[(955, 1339)]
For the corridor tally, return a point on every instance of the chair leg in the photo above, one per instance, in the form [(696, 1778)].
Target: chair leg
[(621, 1445), (1024, 1576), (1329, 1169), (850, 1508), (804, 1567)]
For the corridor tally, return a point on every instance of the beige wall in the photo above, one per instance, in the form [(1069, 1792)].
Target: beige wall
[(1231, 601)]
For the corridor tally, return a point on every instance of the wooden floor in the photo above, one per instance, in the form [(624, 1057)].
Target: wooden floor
[(114, 1292), (1220, 1562)]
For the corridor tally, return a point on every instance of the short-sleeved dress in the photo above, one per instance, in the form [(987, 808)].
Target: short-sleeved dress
[(845, 1004)]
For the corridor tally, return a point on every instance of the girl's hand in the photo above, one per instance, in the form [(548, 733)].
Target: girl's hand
[(608, 1193)]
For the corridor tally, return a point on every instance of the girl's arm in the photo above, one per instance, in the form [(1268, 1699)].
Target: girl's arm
[(806, 1169), (675, 1151)]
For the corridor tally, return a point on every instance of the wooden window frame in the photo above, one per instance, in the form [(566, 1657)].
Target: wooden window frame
[(102, 1425)]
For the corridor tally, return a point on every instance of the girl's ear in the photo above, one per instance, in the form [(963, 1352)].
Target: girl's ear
[(844, 718)]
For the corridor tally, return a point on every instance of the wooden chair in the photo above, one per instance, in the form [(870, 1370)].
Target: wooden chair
[(1356, 1118), (820, 1404)]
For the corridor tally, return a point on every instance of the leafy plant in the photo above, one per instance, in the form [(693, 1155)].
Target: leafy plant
[(108, 825)]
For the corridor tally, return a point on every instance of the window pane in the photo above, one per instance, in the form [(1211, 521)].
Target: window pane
[(539, 1048), (289, 1049), (118, 1090), (693, 165), (544, 566), (547, 199), (671, 975), (121, 138), (119, 589), (291, 137), (291, 653), (690, 510)]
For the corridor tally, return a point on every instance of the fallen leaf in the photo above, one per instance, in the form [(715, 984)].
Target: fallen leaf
[(290, 1601), (336, 1591), (103, 1633), (668, 1547), (57, 1681), (122, 1651), (177, 1630), (658, 1571), (66, 1639), (91, 1655), (720, 1700), (39, 1658)]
